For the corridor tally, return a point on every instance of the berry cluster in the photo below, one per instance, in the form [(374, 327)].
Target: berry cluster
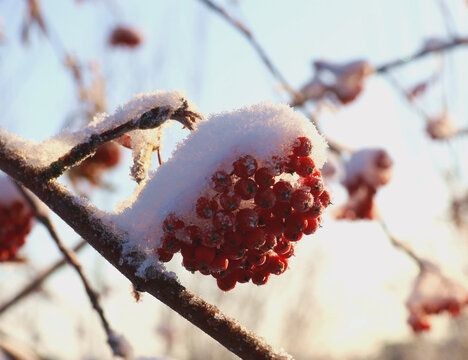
[(106, 156), (15, 224), (250, 219)]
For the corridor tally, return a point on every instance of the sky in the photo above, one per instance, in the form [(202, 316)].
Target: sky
[(354, 273)]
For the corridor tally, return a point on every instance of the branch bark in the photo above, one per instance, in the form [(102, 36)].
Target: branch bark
[(84, 219), (148, 120)]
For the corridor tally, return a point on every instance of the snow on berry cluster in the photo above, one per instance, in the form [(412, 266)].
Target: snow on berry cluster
[(16, 219), (235, 197), (366, 171)]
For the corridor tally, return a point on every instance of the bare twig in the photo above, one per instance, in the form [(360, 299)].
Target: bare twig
[(149, 120), (398, 244), (85, 220), (255, 44), (71, 258), (37, 281), (443, 46)]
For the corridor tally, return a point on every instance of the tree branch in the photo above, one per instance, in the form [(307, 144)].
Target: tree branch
[(36, 282), (84, 219), (71, 258), (255, 44), (149, 120), (443, 46)]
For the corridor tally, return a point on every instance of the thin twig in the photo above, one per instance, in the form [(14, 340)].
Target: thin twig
[(397, 243), (37, 282), (255, 44), (444, 46), (84, 218), (71, 258), (149, 120)]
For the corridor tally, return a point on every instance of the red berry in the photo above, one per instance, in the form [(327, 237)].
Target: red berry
[(315, 210), (263, 215), (223, 220), (301, 200), (265, 198), (221, 181), (292, 235), (243, 276), (276, 264), (187, 251), (245, 188), (245, 166), (254, 239), (194, 234), (289, 253), (219, 263), (172, 223), (296, 222), (282, 210), (270, 243), (306, 167), (292, 165), (282, 246), (204, 255), (164, 255), (256, 258), (107, 154), (206, 208), (274, 226), (233, 238), (226, 283), (315, 184), (260, 277), (264, 177), (325, 198), (170, 243), (302, 146), (190, 264), (246, 220), (233, 252), (282, 190), (312, 226), (230, 200), (213, 238)]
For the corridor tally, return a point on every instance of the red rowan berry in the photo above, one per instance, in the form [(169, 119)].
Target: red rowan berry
[(264, 177), (245, 166), (206, 208), (233, 238), (301, 200), (172, 223), (289, 253), (276, 264), (194, 234), (254, 239), (302, 146), (270, 243), (164, 255), (315, 184), (312, 226), (296, 222), (170, 243), (292, 164), (274, 226), (305, 167), (255, 258), (223, 220), (243, 276), (190, 264), (219, 263), (265, 198), (204, 255), (283, 191), (226, 283), (221, 181), (282, 210), (282, 246), (292, 234), (325, 198), (260, 277), (230, 201), (213, 238), (245, 188), (246, 220)]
